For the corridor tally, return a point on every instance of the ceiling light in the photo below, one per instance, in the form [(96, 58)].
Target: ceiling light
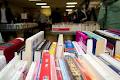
[(69, 10), (45, 6), (70, 6), (34, 0), (40, 4), (71, 3)]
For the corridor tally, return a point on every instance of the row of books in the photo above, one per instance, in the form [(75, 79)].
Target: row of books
[(62, 60), (16, 69), (71, 27), (101, 41), (17, 26)]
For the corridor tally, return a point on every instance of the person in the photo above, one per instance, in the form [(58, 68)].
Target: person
[(56, 16), (80, 16), (6, 17), (91, 14), (109, 14)]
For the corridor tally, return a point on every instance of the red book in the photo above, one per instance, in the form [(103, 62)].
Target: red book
[(45, 73)]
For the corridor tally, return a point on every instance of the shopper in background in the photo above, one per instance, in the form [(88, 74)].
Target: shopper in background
[(91, 14), (56, 16), (6, 15), (80, 16), (109, 14)]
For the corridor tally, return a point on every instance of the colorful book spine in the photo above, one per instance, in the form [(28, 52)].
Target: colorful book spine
[(97, 40), (69, 47), (45, 73), (64, 70), (53, 47), (74, 71)]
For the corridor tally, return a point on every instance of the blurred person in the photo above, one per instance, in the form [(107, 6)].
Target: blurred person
[(109, 14), (56, 16), (6, 15)]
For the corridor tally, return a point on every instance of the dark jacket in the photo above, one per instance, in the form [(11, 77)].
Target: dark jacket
[(9, 15)]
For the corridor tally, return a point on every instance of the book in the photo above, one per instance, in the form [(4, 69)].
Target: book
[(78, 48), (31, 45), (53, 68), (60, 47), (113, 41), (111, 66), (64, 70), (30, 75), (111, 60), (69, 47), (102, 70), (74, 71), (85, 69), (99, 43), (115, 31), (9, 68), (85, 41), (45, 73), (58, 70), (53, 47)]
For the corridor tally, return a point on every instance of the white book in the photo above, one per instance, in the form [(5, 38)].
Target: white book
[(30, 75), (8, 71), (60, 47), (78, 48), (21, 72), (31, 44), (113, 74), (111, 60), (103, 72)]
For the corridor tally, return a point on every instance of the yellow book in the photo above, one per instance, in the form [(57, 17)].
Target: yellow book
[(52, 49)]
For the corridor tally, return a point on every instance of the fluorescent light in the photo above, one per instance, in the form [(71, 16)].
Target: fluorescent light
[(34, 0), (71, 3), (69, 10), (40, 4), (45, 6), (70, 6)]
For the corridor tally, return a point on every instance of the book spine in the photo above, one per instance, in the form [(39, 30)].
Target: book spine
[(45, 73), (52, 49), (64, 70), (53, 68)]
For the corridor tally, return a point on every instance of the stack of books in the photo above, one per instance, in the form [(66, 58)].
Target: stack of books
[(17, 26), (72, 27)]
